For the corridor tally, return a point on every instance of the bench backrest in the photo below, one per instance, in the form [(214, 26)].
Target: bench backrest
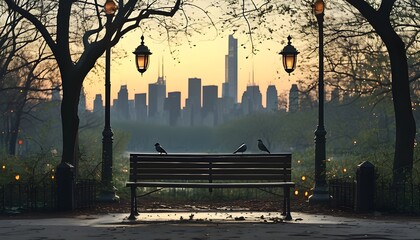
[(210, 167)]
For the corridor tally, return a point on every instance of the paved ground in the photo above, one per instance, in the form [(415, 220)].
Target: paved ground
[(207, 225)]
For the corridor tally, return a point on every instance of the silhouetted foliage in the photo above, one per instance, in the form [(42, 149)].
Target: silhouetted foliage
[(26, 76)]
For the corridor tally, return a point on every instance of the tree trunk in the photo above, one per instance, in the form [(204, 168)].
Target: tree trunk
[(69, 117), (404, 120), (67, 170)]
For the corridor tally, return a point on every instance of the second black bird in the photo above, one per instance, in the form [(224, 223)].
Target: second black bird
[(160, 149), (262, 147)]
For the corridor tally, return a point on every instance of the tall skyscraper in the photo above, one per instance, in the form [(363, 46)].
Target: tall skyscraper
[(225, 87), (98, 105), (173, 106), (209, 99), (209, 105), (194, 99), (231, 70), (131, 109), (252, 100), (272, 98), (194, 91), (122, 106), (157, 96), (294, 98), (226, 101), (140, 106)]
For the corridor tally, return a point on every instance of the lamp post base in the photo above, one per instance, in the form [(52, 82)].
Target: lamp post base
[(320, 195), (108, 195)]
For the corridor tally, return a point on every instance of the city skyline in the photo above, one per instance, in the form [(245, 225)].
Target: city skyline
[(203, 107)]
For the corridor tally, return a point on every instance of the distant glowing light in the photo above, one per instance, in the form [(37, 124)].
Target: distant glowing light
[(344, 170), (298, 161), (306, 193), (303, 178), (296, 192), (3, 167), (17, 177), (52, 177)]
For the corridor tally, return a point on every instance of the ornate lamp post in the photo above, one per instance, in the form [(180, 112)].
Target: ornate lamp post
[(142, 54), (108, 191), (320, 191), (289, 54)]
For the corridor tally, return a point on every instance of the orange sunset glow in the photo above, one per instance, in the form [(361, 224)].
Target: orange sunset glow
[(205, 60)]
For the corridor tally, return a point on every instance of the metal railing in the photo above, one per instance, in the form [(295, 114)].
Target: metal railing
[(15, 197), (342, 192), (85, 193), (27, 196), (402, 198)]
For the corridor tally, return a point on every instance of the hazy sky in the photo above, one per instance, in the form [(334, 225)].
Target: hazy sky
[(206, 61)]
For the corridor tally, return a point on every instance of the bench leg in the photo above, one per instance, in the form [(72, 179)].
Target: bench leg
[(136, 212), (133, 208), (286, 204)]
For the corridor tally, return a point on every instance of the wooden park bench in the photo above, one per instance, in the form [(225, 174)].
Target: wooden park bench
[(210, 171)]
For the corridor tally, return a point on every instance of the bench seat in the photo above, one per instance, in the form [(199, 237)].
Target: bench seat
[(210, 171)]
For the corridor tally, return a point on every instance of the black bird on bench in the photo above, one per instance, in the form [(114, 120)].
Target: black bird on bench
[(262, 147), (160, 149), (241, 148)]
